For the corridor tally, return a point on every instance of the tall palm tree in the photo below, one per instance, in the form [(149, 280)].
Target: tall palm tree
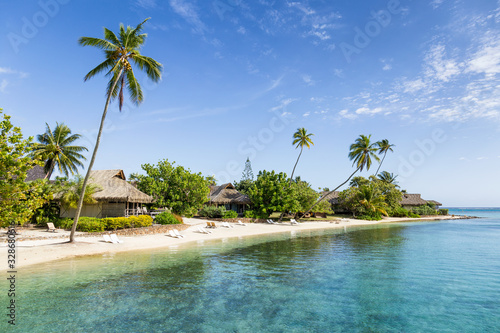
[(388, 178), (301, 139), (383, 147), (119, 51), (54, 147), (361, 153)]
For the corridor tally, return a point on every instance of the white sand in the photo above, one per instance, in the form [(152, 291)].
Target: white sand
[(31, 252)]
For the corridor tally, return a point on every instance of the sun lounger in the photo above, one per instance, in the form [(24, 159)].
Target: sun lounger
[(241, 223), (293, 221), (227, 225), (203, 230), (107, 239), (114, 239), (178, 234), (171, 233), (271, 222), (50, 227)]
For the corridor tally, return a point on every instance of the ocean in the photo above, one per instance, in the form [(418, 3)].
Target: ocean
[(405, 277)]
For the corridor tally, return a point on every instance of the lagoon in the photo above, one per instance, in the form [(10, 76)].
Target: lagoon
[(406, 277)]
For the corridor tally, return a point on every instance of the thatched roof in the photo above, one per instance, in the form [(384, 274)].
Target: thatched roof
[(332, 198), (435, 203), (412, 200), (227, 194), (35, 173)]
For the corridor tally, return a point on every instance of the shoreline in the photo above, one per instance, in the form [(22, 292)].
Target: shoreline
[(47, 247)]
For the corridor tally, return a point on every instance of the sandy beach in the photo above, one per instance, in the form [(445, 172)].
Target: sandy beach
[(38, 246)]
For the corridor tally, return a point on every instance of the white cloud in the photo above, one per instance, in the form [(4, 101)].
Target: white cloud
[(275, 83), (241, 30), (436, 3), (3, 85), (347, 115), (283, 104), (146, 3), (188, 13), (368, 111), (307, 79), (438, 67), (307, 114), (487, 59)]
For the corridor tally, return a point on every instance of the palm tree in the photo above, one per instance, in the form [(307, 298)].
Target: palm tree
[(119, 51), (388, 178), (301, 139), (372, 199), (383, 147), (71, 191), (55, 148), (361, 153)]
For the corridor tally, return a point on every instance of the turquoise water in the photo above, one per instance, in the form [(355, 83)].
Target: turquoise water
[(409, 277)]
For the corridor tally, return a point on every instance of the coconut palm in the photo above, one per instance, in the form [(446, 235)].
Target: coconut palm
[(119, 52), (372, 200), (301, 139), (388, 178), (56, 149), (383, 147), (361, 153)]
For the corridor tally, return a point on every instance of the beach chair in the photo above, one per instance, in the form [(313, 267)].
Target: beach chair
[(213, 225), (114, 239), (241, 223), (293, 221), (178, 234), (172, 234), (271, 222), (50, 227), (203, 230), (227, 225), (106, 238)]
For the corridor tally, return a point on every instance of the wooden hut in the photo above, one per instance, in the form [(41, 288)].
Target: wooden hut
[(226, 195), (116, 198)]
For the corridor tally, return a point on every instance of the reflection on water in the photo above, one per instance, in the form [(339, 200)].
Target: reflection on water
[(410, 277)]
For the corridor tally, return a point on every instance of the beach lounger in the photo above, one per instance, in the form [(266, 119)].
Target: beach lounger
[(171, 233), (226, 224), (114, 239), (178, 234), (271, 222), (213, 225), (241, 223), (107, 239), (203, 230), (293, 221), (50, 227)]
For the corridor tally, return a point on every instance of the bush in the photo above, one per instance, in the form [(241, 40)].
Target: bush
[(212, 211), (424, 210), (90, 224), (167, 218), (63, 223), (230, 214), (414, 215), (113, 223), (141, 221), (399, 212), (443, 211), (374, 217), (178, 218), (249, 214)]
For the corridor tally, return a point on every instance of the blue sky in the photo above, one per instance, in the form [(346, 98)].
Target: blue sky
[(241, 76)]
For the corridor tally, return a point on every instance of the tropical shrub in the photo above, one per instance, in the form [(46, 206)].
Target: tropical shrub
[(372, 217), (249, 214), (424, 210), (178, 218), (414, 215), (230, 214), (212, 211), (63, 223), (113, 223), (443, 211), (91, 224), (166, 218), (399, 212), (141, 221)]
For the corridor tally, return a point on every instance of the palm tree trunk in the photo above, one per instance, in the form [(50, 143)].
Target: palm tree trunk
[(383, 158), (324, 196), (84, 185), (291, 178), (47, 176)]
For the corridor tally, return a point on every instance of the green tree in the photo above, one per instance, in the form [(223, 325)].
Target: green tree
[(18, 198), (383, 147), (70, 192), (56, 149), (388, 177), (270, 193), (372, 200), (246, 179), (179, 189), (361, 153), (358, 181), (300, 139), (247, 172), (119, 51)]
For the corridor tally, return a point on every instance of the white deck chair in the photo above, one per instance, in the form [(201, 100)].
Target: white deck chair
[(227, 225), (292, 221), (241, 223), (271, 221), (106, 238), (178, 234), (172, 234), (203, 230), (50, 227), (114, 239)]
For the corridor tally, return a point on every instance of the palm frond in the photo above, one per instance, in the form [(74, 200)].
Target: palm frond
[(152, 67), (105, 65), (134, 88), (97, 42)]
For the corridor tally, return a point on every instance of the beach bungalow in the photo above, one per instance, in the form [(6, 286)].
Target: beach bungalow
[(226, 195), (412, 200), (116, 199)]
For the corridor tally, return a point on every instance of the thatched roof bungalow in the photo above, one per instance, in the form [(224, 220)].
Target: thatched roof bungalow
[(412, 200), (116, 198), (226, 195)]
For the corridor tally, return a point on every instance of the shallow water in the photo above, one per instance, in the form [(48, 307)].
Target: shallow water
[(410, 277)]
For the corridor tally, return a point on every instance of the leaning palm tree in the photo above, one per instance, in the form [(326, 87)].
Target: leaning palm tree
[(301, 139), (54, 147), (383, 147), (119, 51), (361, 153)]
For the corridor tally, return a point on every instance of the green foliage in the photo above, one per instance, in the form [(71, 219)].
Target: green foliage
[(247, 172), (62, 223), (55, 149), (47, 213), (243, 185), (399, 212), (166, 218), (69, 191), (212, 211), (230, 214), (174, 187), (424, 210), (249, 214), (141, 221), (270, 193), (113, 223), (91, 224), (368, 217), (19, 199), (443, 211), (414, 215)]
